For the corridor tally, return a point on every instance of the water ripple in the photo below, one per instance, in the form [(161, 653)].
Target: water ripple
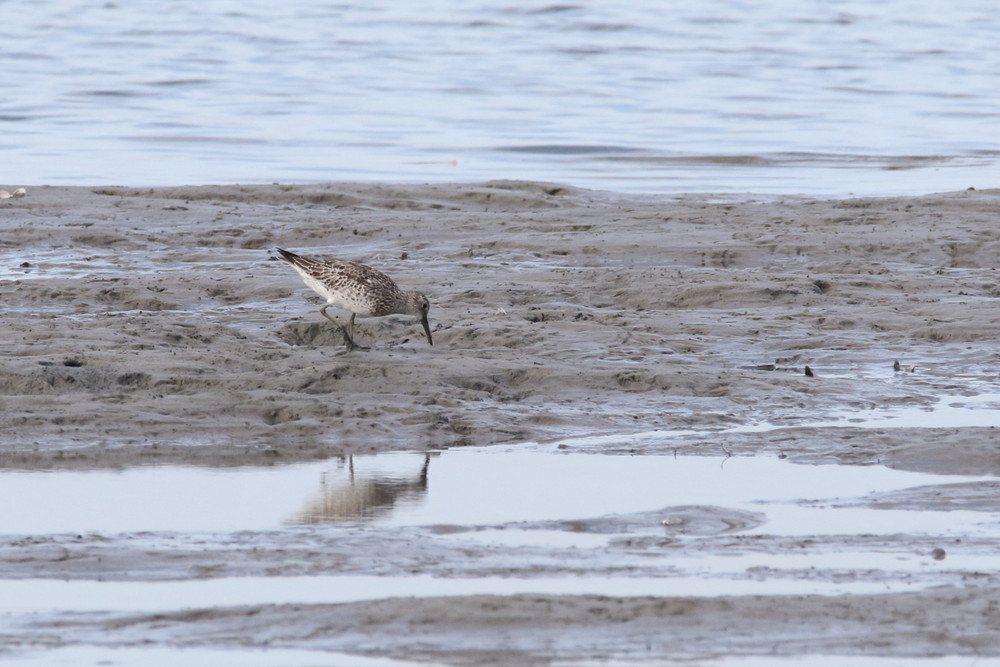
[(625, 97)]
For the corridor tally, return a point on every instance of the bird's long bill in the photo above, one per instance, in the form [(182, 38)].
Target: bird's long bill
[(427, 328)]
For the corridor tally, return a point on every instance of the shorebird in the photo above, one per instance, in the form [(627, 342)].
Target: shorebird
[(358, 288)]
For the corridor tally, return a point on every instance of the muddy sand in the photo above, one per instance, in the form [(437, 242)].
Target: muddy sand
[(153, 326)]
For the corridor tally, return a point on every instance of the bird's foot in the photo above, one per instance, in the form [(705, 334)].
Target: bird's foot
[(351, 345)]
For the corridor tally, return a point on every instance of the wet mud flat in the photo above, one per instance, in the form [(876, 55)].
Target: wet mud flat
[(149, 330)]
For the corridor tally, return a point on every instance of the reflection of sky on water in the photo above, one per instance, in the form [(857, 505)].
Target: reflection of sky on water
[(171, 656), (472, 487), (812, 96), (982, 410), (40, 595), (504, 489)]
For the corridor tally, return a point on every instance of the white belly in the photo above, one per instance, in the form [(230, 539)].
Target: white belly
[(356, 302)]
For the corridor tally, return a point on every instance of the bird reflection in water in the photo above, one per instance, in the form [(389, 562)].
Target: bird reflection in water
[(363, 497)]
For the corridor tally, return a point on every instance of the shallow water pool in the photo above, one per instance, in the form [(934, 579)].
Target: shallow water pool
[(555, 519), (463, 487)]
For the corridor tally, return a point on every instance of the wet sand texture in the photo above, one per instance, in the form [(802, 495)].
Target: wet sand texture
[(151, 325)]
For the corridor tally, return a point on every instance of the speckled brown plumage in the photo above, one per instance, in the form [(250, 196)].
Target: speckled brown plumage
[(358, 288)]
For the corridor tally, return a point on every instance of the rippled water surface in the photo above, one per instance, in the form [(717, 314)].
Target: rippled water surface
[(809, 96)]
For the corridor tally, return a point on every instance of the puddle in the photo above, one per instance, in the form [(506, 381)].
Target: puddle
[(982, 410), (526, 519), (821, 661), (467, 487), (37, 596), (87, 656), (514, 497), (60, 263)]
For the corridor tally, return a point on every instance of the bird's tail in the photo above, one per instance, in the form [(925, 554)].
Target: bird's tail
[(287, 256)]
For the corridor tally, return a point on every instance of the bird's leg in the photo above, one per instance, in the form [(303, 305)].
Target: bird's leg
[(347, 338), (350, 325)]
